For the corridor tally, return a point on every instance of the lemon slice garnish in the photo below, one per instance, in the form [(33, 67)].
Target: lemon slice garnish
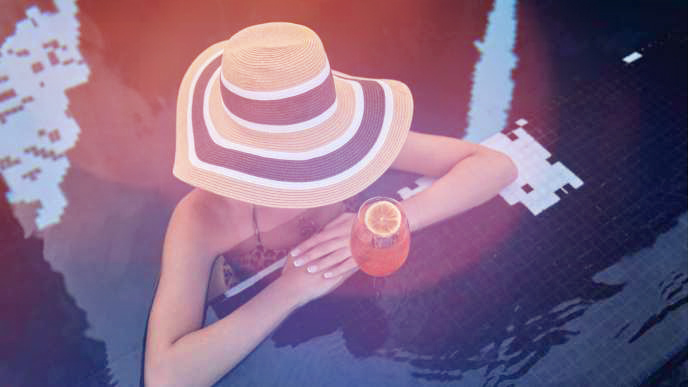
[(383, 218)]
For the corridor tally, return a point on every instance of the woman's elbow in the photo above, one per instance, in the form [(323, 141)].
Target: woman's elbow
[(512, 170), (508, 171), (154, 377), (157, 373)]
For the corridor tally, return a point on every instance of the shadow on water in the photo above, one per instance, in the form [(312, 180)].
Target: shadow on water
[(43, 341)]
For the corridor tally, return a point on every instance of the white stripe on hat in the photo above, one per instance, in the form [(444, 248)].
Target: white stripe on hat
[(304, 155), (196, 162), (280, 94)]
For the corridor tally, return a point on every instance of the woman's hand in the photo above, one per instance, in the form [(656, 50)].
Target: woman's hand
[(321, 263)]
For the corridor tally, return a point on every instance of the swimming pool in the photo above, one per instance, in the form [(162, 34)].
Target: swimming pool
[(586, 287)]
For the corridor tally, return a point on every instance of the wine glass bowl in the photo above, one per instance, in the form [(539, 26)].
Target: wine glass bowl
[(380, 237)]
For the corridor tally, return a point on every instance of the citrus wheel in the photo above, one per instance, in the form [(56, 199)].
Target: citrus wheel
[(383, 218)]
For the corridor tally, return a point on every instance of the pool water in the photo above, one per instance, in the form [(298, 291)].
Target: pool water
[(576, 275)]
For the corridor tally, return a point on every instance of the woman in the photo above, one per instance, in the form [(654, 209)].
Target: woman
[(267, 134)]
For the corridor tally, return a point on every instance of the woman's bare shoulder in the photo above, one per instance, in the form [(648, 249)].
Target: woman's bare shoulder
[(215, 220)]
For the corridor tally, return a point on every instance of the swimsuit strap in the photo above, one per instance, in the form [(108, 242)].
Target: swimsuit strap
[(255, 225)]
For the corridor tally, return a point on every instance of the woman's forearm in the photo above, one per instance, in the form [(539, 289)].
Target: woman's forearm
[(202, 357), (471, 182)]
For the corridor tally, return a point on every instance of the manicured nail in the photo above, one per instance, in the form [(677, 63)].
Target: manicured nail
[(295, 252), (312, 269), (299, 262), (327, 275)]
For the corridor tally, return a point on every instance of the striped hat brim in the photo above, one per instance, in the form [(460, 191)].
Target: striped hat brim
[(309, 164)]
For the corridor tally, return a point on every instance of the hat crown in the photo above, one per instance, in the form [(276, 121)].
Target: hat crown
[(273, 57)]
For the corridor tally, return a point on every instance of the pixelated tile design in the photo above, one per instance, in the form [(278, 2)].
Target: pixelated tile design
[(632, 57), (422, 183), (538, 180), (39, 63)]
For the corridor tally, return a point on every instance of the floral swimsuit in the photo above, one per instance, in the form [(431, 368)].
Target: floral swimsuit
[(252, 255)]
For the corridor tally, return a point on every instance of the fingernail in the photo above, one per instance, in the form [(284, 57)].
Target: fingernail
[(312, 269), (295, 252), (327, 275), (299, 262)]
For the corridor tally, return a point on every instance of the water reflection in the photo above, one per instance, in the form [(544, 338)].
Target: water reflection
[(674, 295), (43, 340), (499, 310)]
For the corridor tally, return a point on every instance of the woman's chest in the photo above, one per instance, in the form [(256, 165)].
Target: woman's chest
[(264, 247)]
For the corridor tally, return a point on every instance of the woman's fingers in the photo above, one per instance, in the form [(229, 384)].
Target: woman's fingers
[(315, 240), (319, 251), (289, 261), (338, 227), (343, 268), (330, 260)]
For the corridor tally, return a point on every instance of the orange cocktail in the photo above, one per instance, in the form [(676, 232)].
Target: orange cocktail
[(380, 237)]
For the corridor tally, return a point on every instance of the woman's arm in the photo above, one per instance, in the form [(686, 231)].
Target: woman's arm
[(468, 175), (178, 351)]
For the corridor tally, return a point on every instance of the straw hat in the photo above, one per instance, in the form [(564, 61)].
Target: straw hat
[(262, 118)]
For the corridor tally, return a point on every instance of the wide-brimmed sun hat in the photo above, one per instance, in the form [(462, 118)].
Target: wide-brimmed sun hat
[(262, 118)]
